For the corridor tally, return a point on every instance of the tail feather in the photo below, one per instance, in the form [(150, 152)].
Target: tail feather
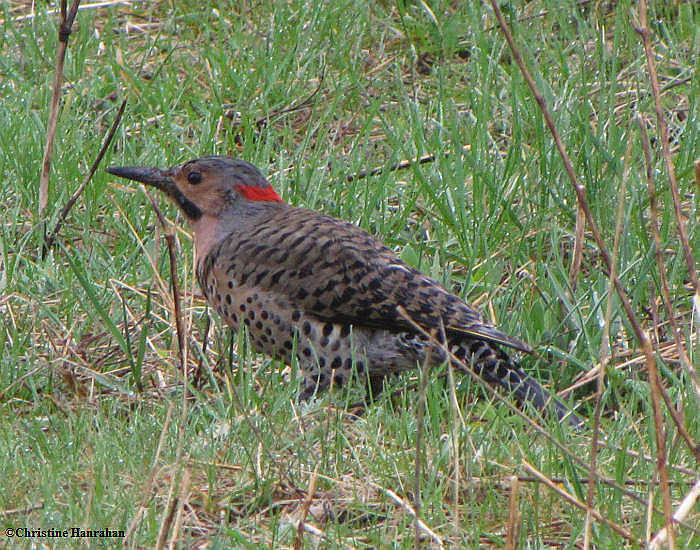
[(497, 368)]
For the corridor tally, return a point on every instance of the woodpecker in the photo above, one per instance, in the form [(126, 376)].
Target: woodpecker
[(321, 290)]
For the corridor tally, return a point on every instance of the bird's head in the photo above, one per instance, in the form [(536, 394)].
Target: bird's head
[(206, 186)]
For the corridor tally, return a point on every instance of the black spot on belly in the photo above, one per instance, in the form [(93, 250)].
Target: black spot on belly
[(288, 344), (306, 328), (327, 329), (335, 346), (337, 363), (344, 331), (296, 315)]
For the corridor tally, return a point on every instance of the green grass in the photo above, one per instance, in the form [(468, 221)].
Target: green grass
[(87, 340)]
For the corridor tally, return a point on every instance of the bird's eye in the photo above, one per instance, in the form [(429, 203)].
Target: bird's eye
[(194, 178)]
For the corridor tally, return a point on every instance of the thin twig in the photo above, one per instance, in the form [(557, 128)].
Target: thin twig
[(64, 30), (659, 250), (579, 238), (680, 514), (512, 526), (584, 480), (581, 505), (168, 517), (170, 240), (643, 30), (580, 190), (21, 511), (407, 506), (182, 498), (666, 298), (62, 10), (574, 457), (299, 540), (457, 422), (182, 476), (146, 492), (605, 351), (93, 168), (401, 165), (198, 378), (419, 447)]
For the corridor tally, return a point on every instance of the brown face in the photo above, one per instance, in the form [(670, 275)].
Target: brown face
[(204, 186)]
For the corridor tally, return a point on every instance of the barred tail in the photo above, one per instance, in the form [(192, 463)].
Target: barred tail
[(495, 367)]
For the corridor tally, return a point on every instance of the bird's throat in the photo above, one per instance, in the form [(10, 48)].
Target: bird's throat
[(207, 233)]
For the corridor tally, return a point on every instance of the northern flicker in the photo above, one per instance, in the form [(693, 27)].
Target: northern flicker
[(307, 284)]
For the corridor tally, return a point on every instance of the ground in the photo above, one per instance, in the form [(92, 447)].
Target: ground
[(328, 99)]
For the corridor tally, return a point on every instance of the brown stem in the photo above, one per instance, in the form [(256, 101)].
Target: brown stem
[(574, 457), (643, 31), (666, 295), (93, 168), (299, 539), (605, 352), (627, 306), (573, 500), (64, 31), (579, 238)]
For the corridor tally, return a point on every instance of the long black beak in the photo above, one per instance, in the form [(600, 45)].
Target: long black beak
[(162, 180), (155, 177)]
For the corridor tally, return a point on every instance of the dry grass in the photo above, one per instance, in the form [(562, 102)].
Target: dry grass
[(89, 340)]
